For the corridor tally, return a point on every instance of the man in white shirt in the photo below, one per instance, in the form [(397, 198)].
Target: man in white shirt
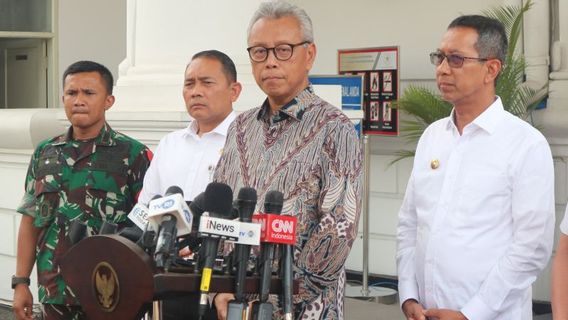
[(187, 158), (476, 225), (560, 274)]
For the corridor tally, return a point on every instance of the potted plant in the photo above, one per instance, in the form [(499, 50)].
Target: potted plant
[(426, 106)]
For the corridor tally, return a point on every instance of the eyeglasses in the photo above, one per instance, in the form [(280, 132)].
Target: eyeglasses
[(454, 60), (282, 52)]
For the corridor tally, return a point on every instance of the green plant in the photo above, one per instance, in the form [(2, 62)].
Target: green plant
[(426, 106)]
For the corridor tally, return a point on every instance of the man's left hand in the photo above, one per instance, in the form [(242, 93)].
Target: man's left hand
[(444, 314)]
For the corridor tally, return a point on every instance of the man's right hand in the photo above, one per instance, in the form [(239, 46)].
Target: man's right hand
[(23, 302), (413, 310), (221, 302)]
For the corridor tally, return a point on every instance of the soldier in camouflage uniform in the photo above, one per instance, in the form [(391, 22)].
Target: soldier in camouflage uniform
[(92, 173)]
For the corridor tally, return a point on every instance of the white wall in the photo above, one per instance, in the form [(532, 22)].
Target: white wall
[(415, 26), (92, 30)]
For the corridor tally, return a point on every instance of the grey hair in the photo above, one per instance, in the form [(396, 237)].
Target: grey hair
[(281, 9), (492, 38)]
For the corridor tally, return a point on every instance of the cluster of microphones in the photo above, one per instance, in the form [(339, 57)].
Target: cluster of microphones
[(169, 223)]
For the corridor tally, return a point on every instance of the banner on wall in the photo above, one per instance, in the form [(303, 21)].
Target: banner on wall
[(379, 68), (351, 92)]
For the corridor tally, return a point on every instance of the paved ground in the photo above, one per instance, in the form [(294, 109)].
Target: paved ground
[(6, 313), (354, 309)]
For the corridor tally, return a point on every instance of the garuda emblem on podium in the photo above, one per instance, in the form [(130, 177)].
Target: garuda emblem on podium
[(105, 286)]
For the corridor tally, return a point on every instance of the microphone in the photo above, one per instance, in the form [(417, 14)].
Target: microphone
[(273, 207), (147, 240), (108, 228), (171, 204), (217, 201), (191, 240), (77, 231), (139, 216), (196, 207), (287, 274), (245, 204), (173, 213)]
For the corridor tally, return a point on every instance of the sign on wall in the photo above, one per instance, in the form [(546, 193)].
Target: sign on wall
[(351, 91), (380, 70)]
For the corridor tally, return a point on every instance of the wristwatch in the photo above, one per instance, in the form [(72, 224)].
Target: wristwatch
[(20, 280)]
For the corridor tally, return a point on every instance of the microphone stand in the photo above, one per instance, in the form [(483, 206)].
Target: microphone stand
[(262, 309), (237, 309), (287, 275)]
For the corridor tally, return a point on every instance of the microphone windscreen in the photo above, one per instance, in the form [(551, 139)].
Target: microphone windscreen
[(196, 206), (108, 228), (247, 194), (273, 202), (218, 198), (77, 231), (173, 190), (131, 233)]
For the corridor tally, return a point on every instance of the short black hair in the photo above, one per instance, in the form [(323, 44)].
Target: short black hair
[(91, 66), (491, 36), (227, 64)]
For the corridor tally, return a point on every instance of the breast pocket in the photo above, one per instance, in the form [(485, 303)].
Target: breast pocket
[(106, 195), (47, 194), (483, 196), (427, 190)]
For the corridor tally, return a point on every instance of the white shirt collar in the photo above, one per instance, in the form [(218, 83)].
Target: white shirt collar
[(221, 129), (488, 120)]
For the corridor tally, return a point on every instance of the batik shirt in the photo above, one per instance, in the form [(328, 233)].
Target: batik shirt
[(93, 181), (309, 151)]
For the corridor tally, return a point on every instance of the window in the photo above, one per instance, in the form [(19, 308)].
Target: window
[(27, 53)]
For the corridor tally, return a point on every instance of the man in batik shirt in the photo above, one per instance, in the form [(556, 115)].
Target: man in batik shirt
[(91, 174), (302, 146)]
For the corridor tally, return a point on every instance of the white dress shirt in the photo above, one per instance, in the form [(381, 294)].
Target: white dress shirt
[(186, 160), (564, 223), (477, 222)]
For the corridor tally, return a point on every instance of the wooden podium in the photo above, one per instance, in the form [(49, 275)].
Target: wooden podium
[(116, 279)]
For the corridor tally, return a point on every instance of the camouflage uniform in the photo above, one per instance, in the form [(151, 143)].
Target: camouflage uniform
[(94, 181)]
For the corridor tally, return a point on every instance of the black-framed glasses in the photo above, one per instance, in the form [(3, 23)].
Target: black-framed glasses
[(282, 52), (454, 60)]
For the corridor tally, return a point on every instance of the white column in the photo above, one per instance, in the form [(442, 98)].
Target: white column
[(537, 43), (161, 38), (554, 119)]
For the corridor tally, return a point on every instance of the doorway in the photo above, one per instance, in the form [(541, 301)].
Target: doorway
[(23, 73)]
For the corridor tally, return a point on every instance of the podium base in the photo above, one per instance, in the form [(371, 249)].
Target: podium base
[(376, 294)]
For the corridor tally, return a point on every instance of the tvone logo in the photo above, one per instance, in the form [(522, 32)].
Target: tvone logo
[(248, 234), (187, 215), (279, 225), (168, 204)]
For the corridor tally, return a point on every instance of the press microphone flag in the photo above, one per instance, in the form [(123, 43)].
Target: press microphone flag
[(276, 228), (219, 228), (172, 204), (139, 215)]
